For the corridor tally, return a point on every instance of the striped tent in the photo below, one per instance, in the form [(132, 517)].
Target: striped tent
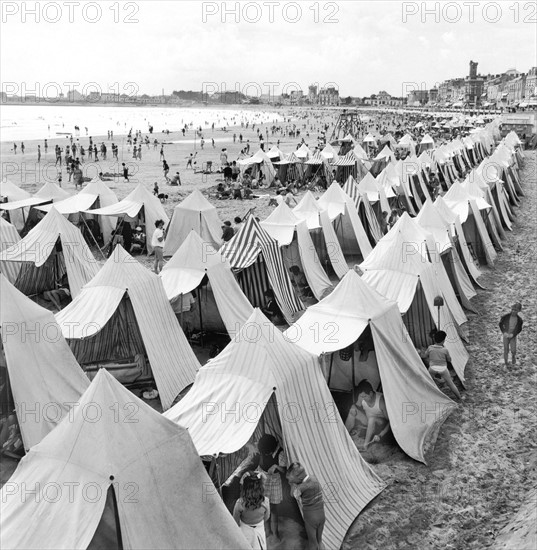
[(257, 257), (261, 371), (347, 160), (125, 305), (51, 249), (364, 208)]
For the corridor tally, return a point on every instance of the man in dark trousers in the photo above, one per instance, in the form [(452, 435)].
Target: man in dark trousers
[(511, 325)]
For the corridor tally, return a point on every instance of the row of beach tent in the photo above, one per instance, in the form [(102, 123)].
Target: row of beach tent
[(270, 377)]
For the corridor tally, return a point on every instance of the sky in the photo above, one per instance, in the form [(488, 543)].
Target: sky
[(362, 47)]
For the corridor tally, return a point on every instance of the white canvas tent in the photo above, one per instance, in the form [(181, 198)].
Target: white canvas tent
[(95, 195), (456, 230), (263, 162), (53, 247), (8, 237), (259, 366), (186, 270), (322, 231), (44, 376), (352, 307), (195, 213), (432, 221), (469, 209), (347, 224), (9, 192), (399, 268), (130, 480), (293, 236), (21, 209), (139, 205), (124, 311)]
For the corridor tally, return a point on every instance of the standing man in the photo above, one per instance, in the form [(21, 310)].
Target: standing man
[(39, 153), (157, 241), (511, 325)]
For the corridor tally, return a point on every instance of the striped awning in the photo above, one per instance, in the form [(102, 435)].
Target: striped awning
[(351, 188), (315, 159), (348, 160)]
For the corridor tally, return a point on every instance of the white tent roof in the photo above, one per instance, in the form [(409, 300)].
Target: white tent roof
[(71, 205), (302, 152), (282, 225), (275, 152), (359, 152), (160, 484), (195, 213), (368, 185), (329, 152), (44, 376), (185, 270), (245, 376), (308, 210), (131, 205), (337, 203), (351, 308), (49, 192), (12, 192), (171, 358), (386, 153), (41, 241), (369, 139), (457, 198)]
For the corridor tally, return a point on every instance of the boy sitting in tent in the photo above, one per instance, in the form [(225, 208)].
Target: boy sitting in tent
[(61, 295), (370, 412)]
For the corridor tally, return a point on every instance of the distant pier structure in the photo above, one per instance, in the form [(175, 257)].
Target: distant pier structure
[(347, 123)]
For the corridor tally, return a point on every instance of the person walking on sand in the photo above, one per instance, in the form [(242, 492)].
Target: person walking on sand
[(511, 325), (22, 147), (162, 152), (190, 160), (157, 241), (125, 172), (46, 147), (39, 153), (166, 169)]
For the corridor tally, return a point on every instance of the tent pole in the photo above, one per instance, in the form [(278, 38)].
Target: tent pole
[(93, 237), (182, 326), (353, 376)]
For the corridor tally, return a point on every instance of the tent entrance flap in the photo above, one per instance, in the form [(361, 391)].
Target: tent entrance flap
[(108, 533), (418, 320)]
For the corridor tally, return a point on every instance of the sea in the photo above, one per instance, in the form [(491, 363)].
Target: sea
[(40, 121)]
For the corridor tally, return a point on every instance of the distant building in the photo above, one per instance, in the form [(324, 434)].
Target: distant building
[(296, 97), (516, 90), (473, 86), (329, 96), (531, 83), (74, 96), (433, 95), (312, 93), (418, 97)]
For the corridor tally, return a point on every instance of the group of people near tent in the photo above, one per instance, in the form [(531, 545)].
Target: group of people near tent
[(362, 310)]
